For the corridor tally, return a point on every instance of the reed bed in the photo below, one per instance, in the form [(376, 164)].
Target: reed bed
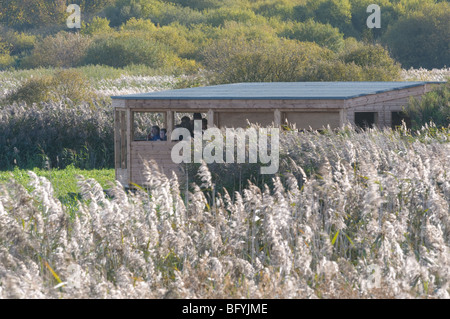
[(350, 215)]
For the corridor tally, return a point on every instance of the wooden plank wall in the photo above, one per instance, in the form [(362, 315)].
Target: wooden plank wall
[(383, 104), (144, 151), (315, 120)]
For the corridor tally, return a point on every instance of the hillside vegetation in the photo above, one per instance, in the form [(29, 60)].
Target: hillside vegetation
[(234, 40)]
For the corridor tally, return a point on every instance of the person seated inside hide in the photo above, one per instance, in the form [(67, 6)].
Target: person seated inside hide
[(163, 134), (154, 134), (186, 123)]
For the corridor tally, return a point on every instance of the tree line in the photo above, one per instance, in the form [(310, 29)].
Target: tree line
[(324, 39)]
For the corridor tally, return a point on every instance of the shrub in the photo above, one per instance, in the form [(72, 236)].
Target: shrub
[(119, 51), (375, 61), (389, 15), (162, 13), (65, 84), (434, 107), (19, 42), (138, 25), (6, 61), (422, 39), (33, 90), (24, 14), (71, 84), (334, 70), (96, 26), (335, 12), (65, 49), (199, 4), (281, 9), (218, 17), (239, 60), (323, 34)]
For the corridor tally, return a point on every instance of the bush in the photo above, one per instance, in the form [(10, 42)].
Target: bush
[(281, 9), (434, 106), (356, 62), (162, 13), (389, 15), (96, 26), (218, 17), (71, 84), (239, 60), (199, 4), (422, 39), (323, 34), (119, 51), (6, 61), (128, 48), (138, 25), (65, 84), (33, 90), (374, 60), (65, 49), (173, 36), (335, 12), (19, 42)]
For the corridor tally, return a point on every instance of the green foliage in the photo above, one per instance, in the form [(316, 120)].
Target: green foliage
[(335, 12), (92, 6), (71, 84), (422, 39), (65, 49), (119, 51), (64, 181), (238, 60), (372, 56), (220, 16), (357, 62), (282, 9), (414, 32), (434, 106), (19, 42), (6, 59), (64, 84), (96, 26), (139, 47), (34, 90), (173, 36), (138, 25), (200, 4), (162, 13), (323, 34), (389, 14), (25, 14)]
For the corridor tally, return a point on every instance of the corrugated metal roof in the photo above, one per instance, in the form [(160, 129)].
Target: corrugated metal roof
[(276, 91)]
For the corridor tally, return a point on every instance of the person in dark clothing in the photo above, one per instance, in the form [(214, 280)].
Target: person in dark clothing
[(154, 134)]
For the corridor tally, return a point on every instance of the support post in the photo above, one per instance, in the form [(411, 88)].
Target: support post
[(211, 118)]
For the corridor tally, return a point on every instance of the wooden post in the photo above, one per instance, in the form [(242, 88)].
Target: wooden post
[(169, 124), (116, 140), (129, 139), (123, 140), (277, 118), (210, 118)]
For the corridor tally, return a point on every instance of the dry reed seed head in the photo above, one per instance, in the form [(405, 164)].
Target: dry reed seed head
[(129, 245)]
